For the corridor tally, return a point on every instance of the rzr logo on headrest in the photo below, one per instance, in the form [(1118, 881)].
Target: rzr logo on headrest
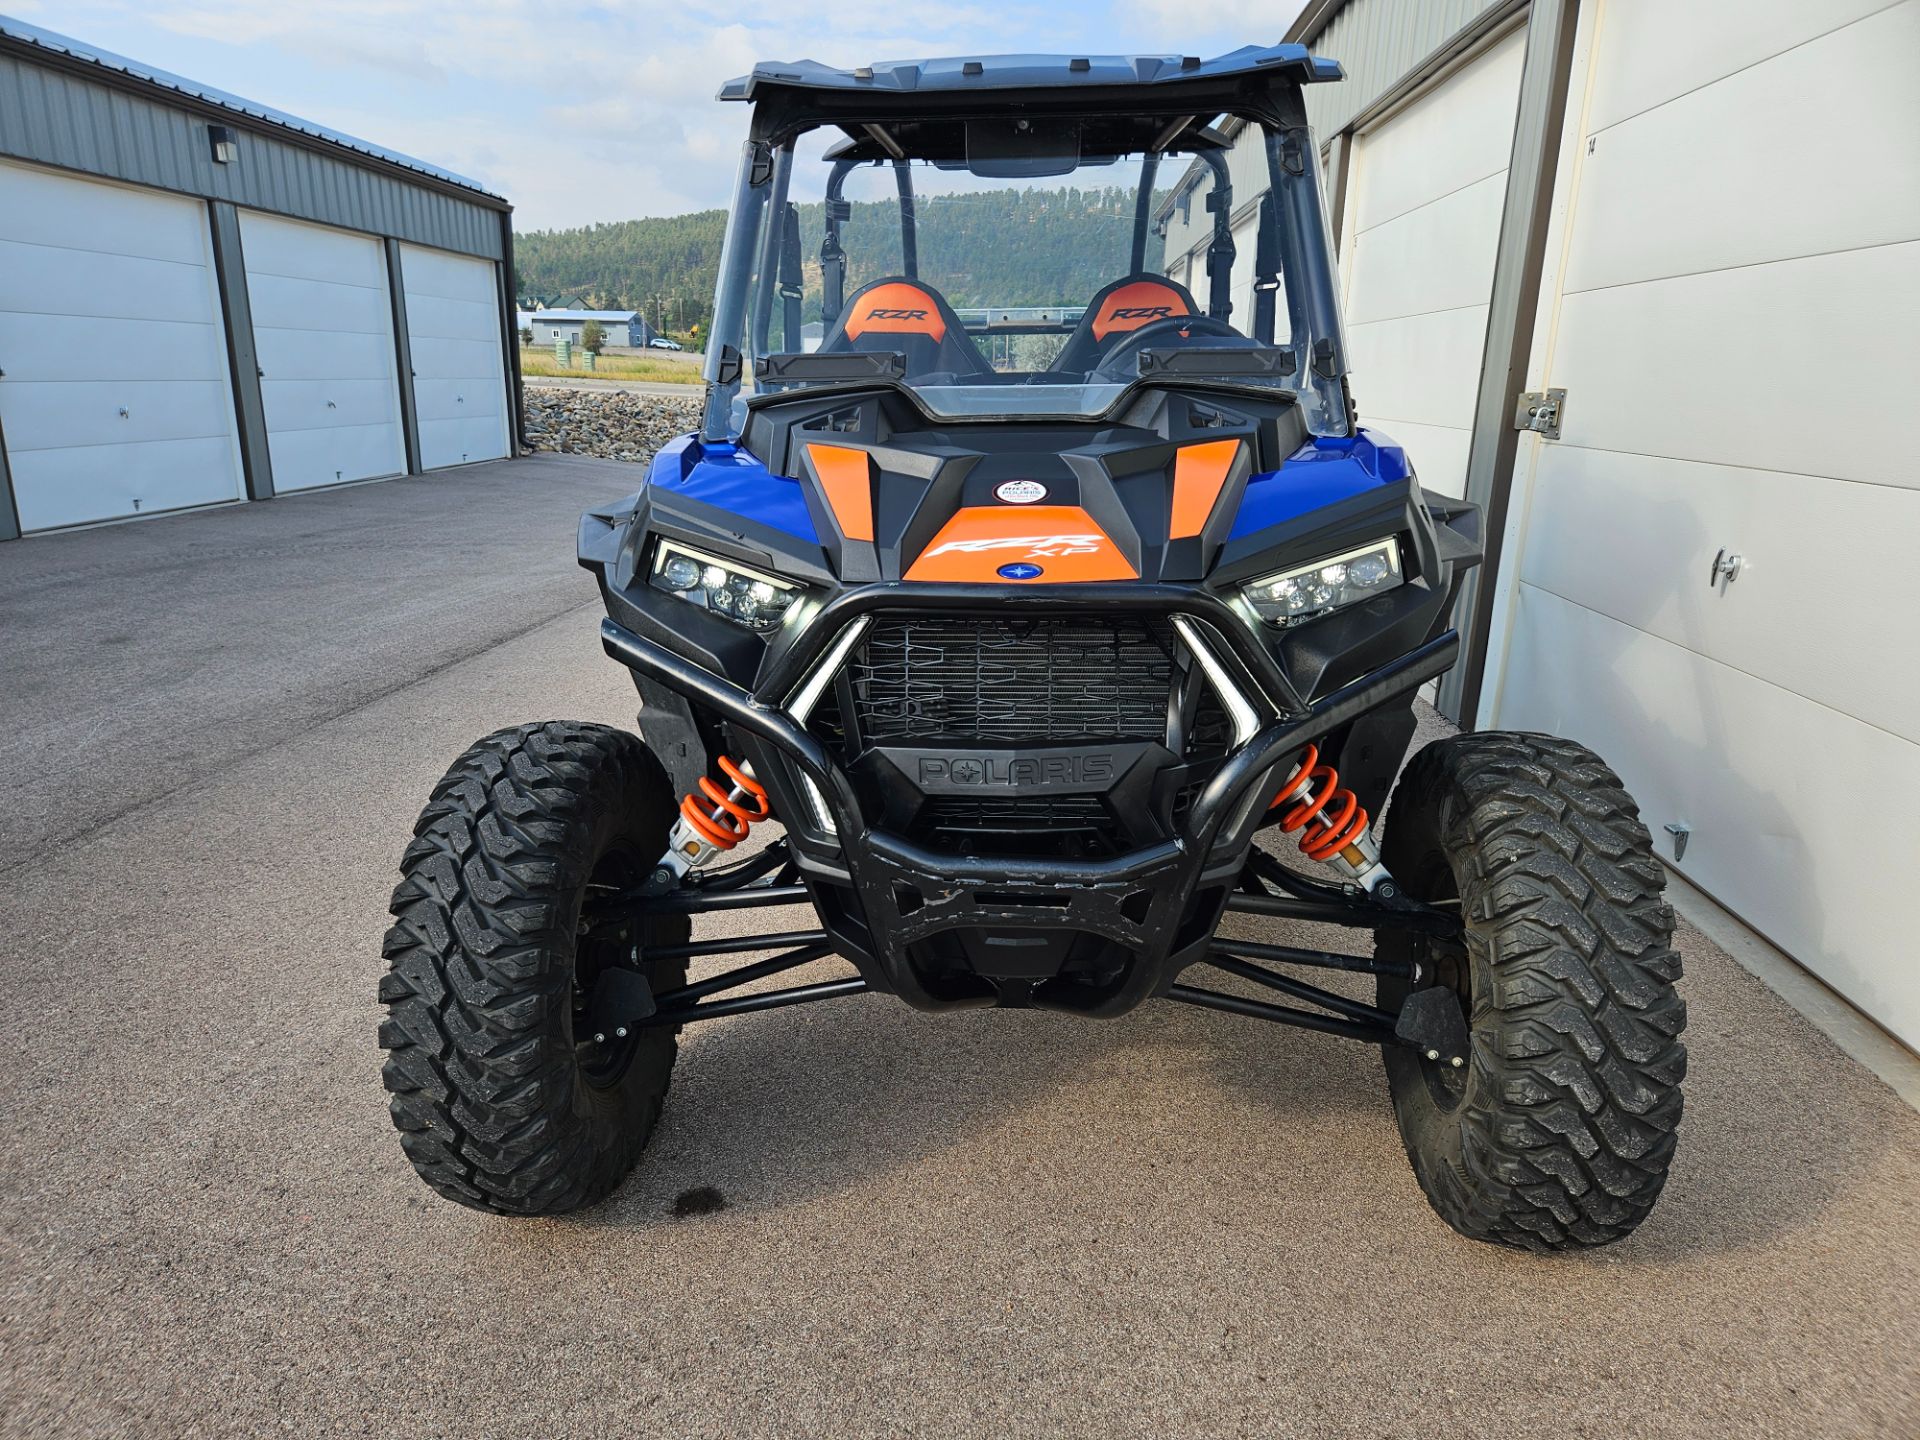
[(1143, 312), (881, 313)]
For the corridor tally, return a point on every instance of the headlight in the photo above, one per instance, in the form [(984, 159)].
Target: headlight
[(1293, 597), (745, 596)]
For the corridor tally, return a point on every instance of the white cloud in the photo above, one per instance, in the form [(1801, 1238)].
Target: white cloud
[(581, 111), (1169, 24)]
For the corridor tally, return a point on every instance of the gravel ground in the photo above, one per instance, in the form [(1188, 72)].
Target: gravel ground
[(991, 1224), (609, 424)]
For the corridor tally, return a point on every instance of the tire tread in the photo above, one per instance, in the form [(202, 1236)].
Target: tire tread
[(479, 956), (1570, 1122)]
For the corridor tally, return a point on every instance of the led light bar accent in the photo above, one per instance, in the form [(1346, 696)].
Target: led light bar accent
[(808, 692), (1246, 723)]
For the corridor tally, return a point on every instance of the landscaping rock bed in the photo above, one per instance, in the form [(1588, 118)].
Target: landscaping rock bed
[(611, 424)]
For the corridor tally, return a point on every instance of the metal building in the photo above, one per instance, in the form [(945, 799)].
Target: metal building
[(204, 300), (1639, 278)]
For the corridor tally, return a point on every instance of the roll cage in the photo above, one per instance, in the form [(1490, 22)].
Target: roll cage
[(938, 112)]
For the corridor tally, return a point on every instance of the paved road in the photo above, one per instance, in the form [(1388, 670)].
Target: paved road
[(141, 659), (217, 731)]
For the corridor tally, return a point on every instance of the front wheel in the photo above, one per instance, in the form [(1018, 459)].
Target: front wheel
[(1558, 1131), (505, 1098)]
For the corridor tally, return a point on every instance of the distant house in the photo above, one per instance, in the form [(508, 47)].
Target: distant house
[(623, 327)]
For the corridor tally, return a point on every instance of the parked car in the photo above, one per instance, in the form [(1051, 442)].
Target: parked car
[(660, 342)]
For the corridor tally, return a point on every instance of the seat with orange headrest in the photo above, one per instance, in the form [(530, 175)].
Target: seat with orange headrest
[(1116, 311), (910, 316)]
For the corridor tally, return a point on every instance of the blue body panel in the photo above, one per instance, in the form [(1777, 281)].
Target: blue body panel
[(1324, 471), (730, 478)]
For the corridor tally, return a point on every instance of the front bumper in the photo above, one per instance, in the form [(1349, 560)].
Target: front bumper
[(1091, 935)]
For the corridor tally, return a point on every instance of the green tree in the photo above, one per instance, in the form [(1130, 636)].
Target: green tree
[(998, 247), (592, 337)]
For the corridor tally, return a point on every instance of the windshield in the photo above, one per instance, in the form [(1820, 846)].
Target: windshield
[(1024, 277)]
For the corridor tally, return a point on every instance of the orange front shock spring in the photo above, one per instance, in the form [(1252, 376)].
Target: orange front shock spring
[(723, 821), (1331, 813)]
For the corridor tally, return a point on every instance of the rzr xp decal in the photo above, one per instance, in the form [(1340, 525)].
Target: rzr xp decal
[(983, 543)]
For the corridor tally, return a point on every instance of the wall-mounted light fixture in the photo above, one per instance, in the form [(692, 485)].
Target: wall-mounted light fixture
[(225, 152)]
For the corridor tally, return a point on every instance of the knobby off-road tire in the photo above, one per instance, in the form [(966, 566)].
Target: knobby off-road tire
[(503, 1099), (1558, 1132)]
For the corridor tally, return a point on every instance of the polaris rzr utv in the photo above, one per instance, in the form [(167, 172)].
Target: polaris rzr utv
[(1047, 598)]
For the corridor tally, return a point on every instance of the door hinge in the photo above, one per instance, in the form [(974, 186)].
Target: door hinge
[(1539, 411)]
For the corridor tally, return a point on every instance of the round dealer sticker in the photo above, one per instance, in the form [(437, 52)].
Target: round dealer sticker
[(1021, 492)]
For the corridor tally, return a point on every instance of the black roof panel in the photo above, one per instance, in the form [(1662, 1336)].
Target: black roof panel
[(904, 78)]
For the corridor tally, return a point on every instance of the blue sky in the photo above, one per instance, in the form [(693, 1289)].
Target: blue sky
[(581, 112)]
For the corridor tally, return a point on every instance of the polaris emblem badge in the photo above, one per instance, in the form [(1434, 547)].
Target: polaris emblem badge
[(1019, 571), (1021, 492)]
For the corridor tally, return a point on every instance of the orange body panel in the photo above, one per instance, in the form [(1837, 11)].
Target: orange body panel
[(1199, 475), (1141, 303), (897, 309), (846, 480), (1063, 540)]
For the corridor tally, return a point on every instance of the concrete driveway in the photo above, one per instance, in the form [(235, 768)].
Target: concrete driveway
[(215, 731)]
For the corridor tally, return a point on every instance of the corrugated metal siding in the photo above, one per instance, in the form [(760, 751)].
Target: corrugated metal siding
[(1379, 42), (1246, 172), (58, 119)]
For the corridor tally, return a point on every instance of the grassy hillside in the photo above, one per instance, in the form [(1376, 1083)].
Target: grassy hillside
[(1000, 247)]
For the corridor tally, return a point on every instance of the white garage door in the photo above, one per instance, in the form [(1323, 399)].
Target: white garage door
[(453, 328), (115, 399), (323, 328), (1733, 332), (1426, 190)]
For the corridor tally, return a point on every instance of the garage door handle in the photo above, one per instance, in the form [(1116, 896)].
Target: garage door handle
[(1726, 567)]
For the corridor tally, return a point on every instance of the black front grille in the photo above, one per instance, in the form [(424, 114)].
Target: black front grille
[(954, 682), (1043, 824), (1014, 681)]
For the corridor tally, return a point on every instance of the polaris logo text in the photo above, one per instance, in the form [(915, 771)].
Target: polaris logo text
[(1143, 312), (943, 772), (881, 313)]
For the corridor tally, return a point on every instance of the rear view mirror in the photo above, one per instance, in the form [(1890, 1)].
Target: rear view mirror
[(1026, 148)]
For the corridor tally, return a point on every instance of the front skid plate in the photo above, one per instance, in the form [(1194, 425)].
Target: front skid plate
[(1150, 912)]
